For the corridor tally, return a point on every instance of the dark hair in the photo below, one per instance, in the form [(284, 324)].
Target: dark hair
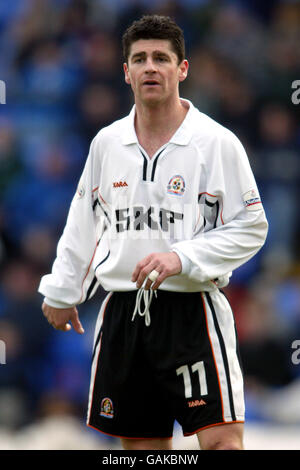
[(154, 27)]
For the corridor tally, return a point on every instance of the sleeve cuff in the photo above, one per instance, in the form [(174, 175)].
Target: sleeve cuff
[(56, 304), (185, 262)]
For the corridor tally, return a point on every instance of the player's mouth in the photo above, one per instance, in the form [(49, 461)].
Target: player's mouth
[(151, 83)]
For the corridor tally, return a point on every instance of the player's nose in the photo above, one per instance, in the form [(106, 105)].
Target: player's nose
[(150, 65)]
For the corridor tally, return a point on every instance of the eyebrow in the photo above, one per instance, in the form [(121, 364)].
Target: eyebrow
[(143, 53)]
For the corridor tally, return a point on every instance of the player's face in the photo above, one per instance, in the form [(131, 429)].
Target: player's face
[(153, 71)]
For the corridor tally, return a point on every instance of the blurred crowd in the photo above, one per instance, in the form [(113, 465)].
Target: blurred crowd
[(61, 61)]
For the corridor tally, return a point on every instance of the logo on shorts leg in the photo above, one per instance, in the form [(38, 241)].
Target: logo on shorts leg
[(193, 403), (107, 409)]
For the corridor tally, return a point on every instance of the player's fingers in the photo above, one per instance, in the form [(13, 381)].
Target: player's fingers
[(77, 324), (162, 276), (137, 270), (66, 327), (140, 265), (134, 275), (152, 277), (144, 272)]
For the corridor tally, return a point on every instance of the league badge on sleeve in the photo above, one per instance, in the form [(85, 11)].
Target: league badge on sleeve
[(176, 185), (252, 200), (80, 192)]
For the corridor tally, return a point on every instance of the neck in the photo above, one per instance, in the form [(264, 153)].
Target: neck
[(159, 121)]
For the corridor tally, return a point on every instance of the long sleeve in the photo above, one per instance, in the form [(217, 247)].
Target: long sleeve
[(72, 272), (234, 225)]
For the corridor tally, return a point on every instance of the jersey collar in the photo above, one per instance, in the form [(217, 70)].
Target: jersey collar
[(184, 133), (129, 135), (182, 136)]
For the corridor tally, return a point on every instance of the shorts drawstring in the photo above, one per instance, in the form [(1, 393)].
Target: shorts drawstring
[(147, 296)]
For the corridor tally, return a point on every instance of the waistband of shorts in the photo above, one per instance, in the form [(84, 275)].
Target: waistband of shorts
[(160, 293)]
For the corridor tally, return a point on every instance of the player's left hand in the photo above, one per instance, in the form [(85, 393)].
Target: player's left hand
[(166, 264)]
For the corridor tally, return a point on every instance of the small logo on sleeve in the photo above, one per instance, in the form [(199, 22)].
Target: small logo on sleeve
[(107, 409), (80, 191), (252, 200)]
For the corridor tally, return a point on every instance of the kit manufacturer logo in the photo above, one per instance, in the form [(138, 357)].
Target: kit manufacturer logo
[(193, 403), (119, 184)]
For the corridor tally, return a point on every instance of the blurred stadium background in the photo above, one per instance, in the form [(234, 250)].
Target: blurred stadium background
[(61, 62)]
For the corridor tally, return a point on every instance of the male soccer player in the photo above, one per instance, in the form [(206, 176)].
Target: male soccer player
[(166, 208)]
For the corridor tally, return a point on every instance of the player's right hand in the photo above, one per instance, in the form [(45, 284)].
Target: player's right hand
[(63, 318)]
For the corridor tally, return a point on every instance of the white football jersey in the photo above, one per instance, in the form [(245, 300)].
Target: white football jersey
[(196, 196)]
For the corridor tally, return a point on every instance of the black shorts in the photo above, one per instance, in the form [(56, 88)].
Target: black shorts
[(184, 366)]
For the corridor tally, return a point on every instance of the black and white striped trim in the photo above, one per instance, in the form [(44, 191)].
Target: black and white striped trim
[(215, 204), (92, 288), (145, 165), (222, 332), (97, 202), (96, 350), (95, 284)]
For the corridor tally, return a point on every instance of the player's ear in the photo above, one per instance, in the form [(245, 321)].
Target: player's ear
[(183, 70), (126, 73)]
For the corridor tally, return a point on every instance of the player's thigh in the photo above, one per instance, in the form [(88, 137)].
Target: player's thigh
[(126, 400), (224, 437), (146, 444)]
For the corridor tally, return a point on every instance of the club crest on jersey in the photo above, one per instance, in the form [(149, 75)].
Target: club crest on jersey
[(107, 409), (176, 185)]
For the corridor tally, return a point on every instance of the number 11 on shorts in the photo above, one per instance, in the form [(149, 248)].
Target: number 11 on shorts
[(197, 367)]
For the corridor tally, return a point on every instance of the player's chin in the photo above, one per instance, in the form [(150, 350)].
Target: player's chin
[(152, 99)]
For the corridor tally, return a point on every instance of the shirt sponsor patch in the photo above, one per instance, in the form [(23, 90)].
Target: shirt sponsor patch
[(252, 201)]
